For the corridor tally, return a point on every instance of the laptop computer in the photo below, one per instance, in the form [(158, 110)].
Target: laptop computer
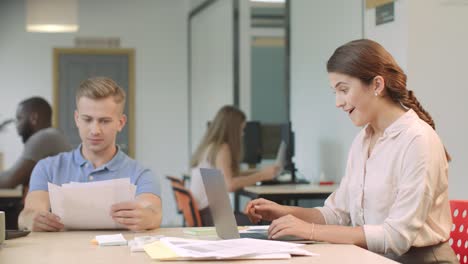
[(221, 209)]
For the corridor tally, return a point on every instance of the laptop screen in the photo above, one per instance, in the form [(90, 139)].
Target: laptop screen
[(281, 157), (220, 206)]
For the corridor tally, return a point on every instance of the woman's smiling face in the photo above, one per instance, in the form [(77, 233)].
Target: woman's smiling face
[(354, 97)]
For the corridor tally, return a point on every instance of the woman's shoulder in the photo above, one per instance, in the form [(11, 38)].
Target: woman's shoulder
[(422, 138), (224, 147), (223, 152), (420, 129)]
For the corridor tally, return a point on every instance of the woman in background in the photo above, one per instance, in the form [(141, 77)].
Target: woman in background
[(221, 148)]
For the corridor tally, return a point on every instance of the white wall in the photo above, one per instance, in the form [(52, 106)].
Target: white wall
[(429, 38), (437, 57), (393, 35), (323, 133), (245, 60), (212, 61), (157, 31), (211, 71)]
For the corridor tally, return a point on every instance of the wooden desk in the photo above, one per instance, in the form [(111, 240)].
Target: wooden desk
[(11, 193), (285, 192), (75, 247)]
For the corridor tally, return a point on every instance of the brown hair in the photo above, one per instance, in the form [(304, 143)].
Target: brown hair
[(100, 88), (365, 59), (224, 129)]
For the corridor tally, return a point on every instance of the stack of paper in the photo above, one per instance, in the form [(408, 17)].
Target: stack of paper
[(88, 205), (111, 240), (172, 248)]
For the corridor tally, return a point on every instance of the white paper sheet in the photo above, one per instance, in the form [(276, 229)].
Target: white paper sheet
[(87, 205), (171, 248)]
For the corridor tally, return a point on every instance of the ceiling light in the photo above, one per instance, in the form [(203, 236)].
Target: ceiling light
[(52, 16)]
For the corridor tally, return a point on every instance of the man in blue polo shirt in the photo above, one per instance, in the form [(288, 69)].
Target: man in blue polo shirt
[(99, 117)]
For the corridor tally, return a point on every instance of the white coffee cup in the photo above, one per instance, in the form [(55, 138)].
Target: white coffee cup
[(2, 226)]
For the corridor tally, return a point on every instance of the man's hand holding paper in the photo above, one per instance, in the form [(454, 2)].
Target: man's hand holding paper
[(88, 205), (136, 215), (46, 221)]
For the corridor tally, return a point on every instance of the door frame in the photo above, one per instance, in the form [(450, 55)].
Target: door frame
[(130, 99)]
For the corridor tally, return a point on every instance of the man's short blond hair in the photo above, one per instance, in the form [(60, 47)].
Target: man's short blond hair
[(100, 88)]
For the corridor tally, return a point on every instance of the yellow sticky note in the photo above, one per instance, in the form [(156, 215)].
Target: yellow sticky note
[(157, 250)]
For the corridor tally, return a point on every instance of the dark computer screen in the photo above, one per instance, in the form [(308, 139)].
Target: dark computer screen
[(252, 143), (287, 135), (261, 141), (271, 140)]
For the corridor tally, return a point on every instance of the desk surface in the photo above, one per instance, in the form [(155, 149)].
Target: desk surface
[(75, 247), (11, 193), (291, 189)]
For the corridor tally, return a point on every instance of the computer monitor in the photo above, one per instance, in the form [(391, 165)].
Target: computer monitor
[(287, 135), (262, 140), (271, 139), (252, 143)]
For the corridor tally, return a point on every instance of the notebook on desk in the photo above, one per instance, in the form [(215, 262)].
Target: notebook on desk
[(221, 210)]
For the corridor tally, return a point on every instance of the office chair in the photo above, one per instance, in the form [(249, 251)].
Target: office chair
[(176, 179), (186, 204), (459, 234), (177, 182)]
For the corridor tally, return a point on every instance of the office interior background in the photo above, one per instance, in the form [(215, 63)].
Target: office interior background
[(429, 39)]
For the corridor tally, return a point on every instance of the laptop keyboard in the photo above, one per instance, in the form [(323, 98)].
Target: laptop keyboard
[(254, 235)]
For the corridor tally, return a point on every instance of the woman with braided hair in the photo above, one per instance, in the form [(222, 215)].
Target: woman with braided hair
[(393, 198)]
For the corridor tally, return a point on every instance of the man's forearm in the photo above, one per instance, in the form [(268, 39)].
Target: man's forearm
[(155, 215), (18, 174), (5, 180), (25, 218)]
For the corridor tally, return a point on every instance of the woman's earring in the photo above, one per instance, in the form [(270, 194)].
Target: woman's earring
[(375, 93)]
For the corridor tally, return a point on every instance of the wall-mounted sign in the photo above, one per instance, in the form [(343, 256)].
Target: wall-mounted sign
[(385, 13), (375, 3)]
